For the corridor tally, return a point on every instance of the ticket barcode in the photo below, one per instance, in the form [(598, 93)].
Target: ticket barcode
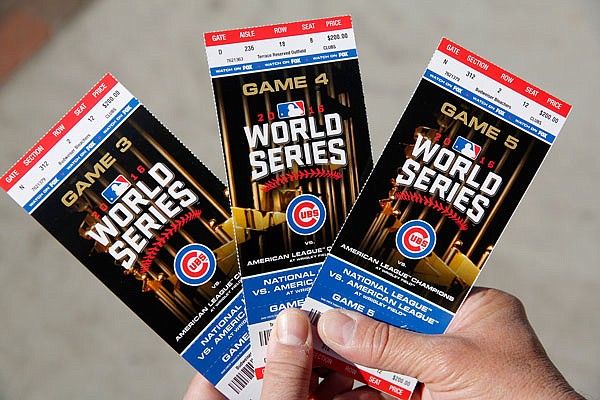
[(242, 378), (263, 337), (314, 316)]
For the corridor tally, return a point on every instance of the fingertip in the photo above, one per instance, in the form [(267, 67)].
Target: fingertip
[(337, 327), (292, 328)]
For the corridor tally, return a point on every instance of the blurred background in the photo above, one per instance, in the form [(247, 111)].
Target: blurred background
[(64, 336)]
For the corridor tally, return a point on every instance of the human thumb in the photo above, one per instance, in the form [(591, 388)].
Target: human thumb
[(375, 344)]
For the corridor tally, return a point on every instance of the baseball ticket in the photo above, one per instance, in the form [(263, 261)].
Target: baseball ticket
[(455, 168), (150, 221), (296, 145)]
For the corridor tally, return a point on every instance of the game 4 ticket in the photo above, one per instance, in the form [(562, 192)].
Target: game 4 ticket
[(294, 133)]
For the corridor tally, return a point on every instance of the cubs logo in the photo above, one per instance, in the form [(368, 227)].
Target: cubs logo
[(306, 214), (415, 239), (195, 264)]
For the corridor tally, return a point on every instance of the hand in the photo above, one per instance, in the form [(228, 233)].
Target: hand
[(288, 373), (490, 351)]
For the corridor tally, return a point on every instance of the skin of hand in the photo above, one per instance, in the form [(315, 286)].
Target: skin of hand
[(490, 351), (288, 372)]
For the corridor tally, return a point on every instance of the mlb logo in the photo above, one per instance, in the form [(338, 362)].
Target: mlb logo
[(290, 109), (466, 147), (116, 189)]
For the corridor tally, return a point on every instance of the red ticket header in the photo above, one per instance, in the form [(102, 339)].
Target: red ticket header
[(504, 77), (277, 31), (57, 132)]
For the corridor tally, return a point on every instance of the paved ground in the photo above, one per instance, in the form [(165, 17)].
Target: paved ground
[(26, 25), (64, 336)]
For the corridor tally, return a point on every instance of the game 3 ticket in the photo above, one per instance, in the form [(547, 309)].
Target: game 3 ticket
[(149, 220)]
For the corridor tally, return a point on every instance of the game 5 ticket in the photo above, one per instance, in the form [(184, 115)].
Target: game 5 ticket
[(296, 144), (149, 220), (455, 168)]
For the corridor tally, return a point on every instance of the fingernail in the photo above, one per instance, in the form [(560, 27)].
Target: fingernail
[(292, 328), (338, 327)]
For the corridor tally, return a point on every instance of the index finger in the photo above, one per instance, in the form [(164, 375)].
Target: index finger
[(289, 357)]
